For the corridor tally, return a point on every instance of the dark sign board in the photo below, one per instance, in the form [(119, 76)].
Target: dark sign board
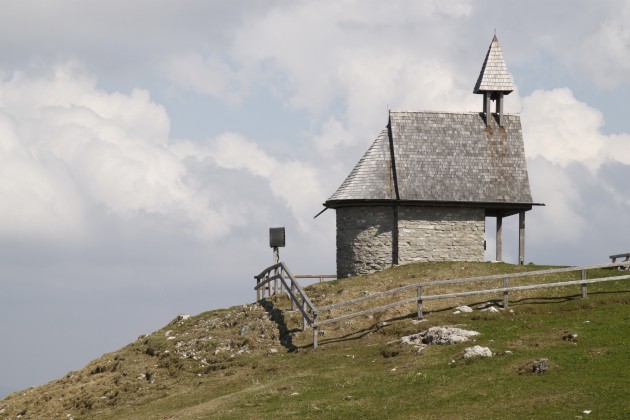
[(276, 237)]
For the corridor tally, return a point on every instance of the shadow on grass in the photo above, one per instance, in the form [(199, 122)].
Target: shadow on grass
[(357, 335), (277, 315)]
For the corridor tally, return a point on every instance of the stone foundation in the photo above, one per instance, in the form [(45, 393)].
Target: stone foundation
[(373, 238)]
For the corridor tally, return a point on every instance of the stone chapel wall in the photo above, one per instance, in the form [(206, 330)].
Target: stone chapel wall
[(372, 238)]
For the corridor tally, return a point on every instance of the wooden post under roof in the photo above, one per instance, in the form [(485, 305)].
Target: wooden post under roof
[(499, 240), (521, 237)]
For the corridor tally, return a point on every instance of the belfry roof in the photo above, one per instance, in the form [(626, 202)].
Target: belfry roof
[(494, 75)]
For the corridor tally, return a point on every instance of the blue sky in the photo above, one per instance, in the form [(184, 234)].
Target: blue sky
[(147, 146)]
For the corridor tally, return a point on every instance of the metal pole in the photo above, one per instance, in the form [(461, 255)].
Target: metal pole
[(419, 303), (276, 259)]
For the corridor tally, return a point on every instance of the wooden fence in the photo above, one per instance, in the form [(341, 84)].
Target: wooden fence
[(283, 281), (321, 277)]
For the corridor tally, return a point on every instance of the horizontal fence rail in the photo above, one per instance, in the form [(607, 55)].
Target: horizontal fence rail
[(321, 277), (266, 277)]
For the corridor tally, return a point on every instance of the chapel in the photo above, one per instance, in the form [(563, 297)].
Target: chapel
[(424, 188)]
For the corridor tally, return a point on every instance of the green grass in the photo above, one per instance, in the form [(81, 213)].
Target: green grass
[(360, 370)]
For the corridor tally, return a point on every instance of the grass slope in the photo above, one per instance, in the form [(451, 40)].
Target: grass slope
[(252, 361)]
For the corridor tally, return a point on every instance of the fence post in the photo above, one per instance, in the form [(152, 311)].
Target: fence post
[(315, 330), (293, 292), (505, 293), (583, 284), (419, 303), (257, 289)]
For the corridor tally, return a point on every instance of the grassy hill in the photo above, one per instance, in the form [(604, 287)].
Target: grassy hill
[(253, 361)]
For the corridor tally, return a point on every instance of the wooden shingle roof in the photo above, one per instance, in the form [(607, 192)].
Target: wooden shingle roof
[(440, 157), (494, 75)]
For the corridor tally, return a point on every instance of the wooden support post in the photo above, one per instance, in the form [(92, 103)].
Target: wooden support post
[(419, 303), (505, 293), (499, 240), (521, 237), (315, 331), (257, 289), (583, 284), (292, 291), (500, 108), (486, 107)]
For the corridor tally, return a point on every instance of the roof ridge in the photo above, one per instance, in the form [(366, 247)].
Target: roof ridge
[(445, 112)]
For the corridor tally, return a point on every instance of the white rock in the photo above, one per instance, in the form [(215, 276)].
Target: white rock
[(457, 312), (439, 335), (272, 351), (587, 411), (491, 309), (464, 308), (477, 351), (183, 317)]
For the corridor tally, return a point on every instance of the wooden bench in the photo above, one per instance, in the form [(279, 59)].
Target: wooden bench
[(613, 258)]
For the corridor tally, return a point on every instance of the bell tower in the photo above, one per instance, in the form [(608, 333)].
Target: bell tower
[(494, 81)]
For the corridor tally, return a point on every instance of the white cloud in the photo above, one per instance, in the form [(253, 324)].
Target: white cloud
[(39, 199), (295, 182), (333, 134), (209, 76), (563, 130), (68, 146), (606, 53), (561, 220)]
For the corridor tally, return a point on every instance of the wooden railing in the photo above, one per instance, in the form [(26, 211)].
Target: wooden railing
[(265, 278), (321, 277), (278, 279)]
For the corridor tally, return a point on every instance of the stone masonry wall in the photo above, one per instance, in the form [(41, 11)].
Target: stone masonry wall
[(373, 238), (364, 239), (440, 234)]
